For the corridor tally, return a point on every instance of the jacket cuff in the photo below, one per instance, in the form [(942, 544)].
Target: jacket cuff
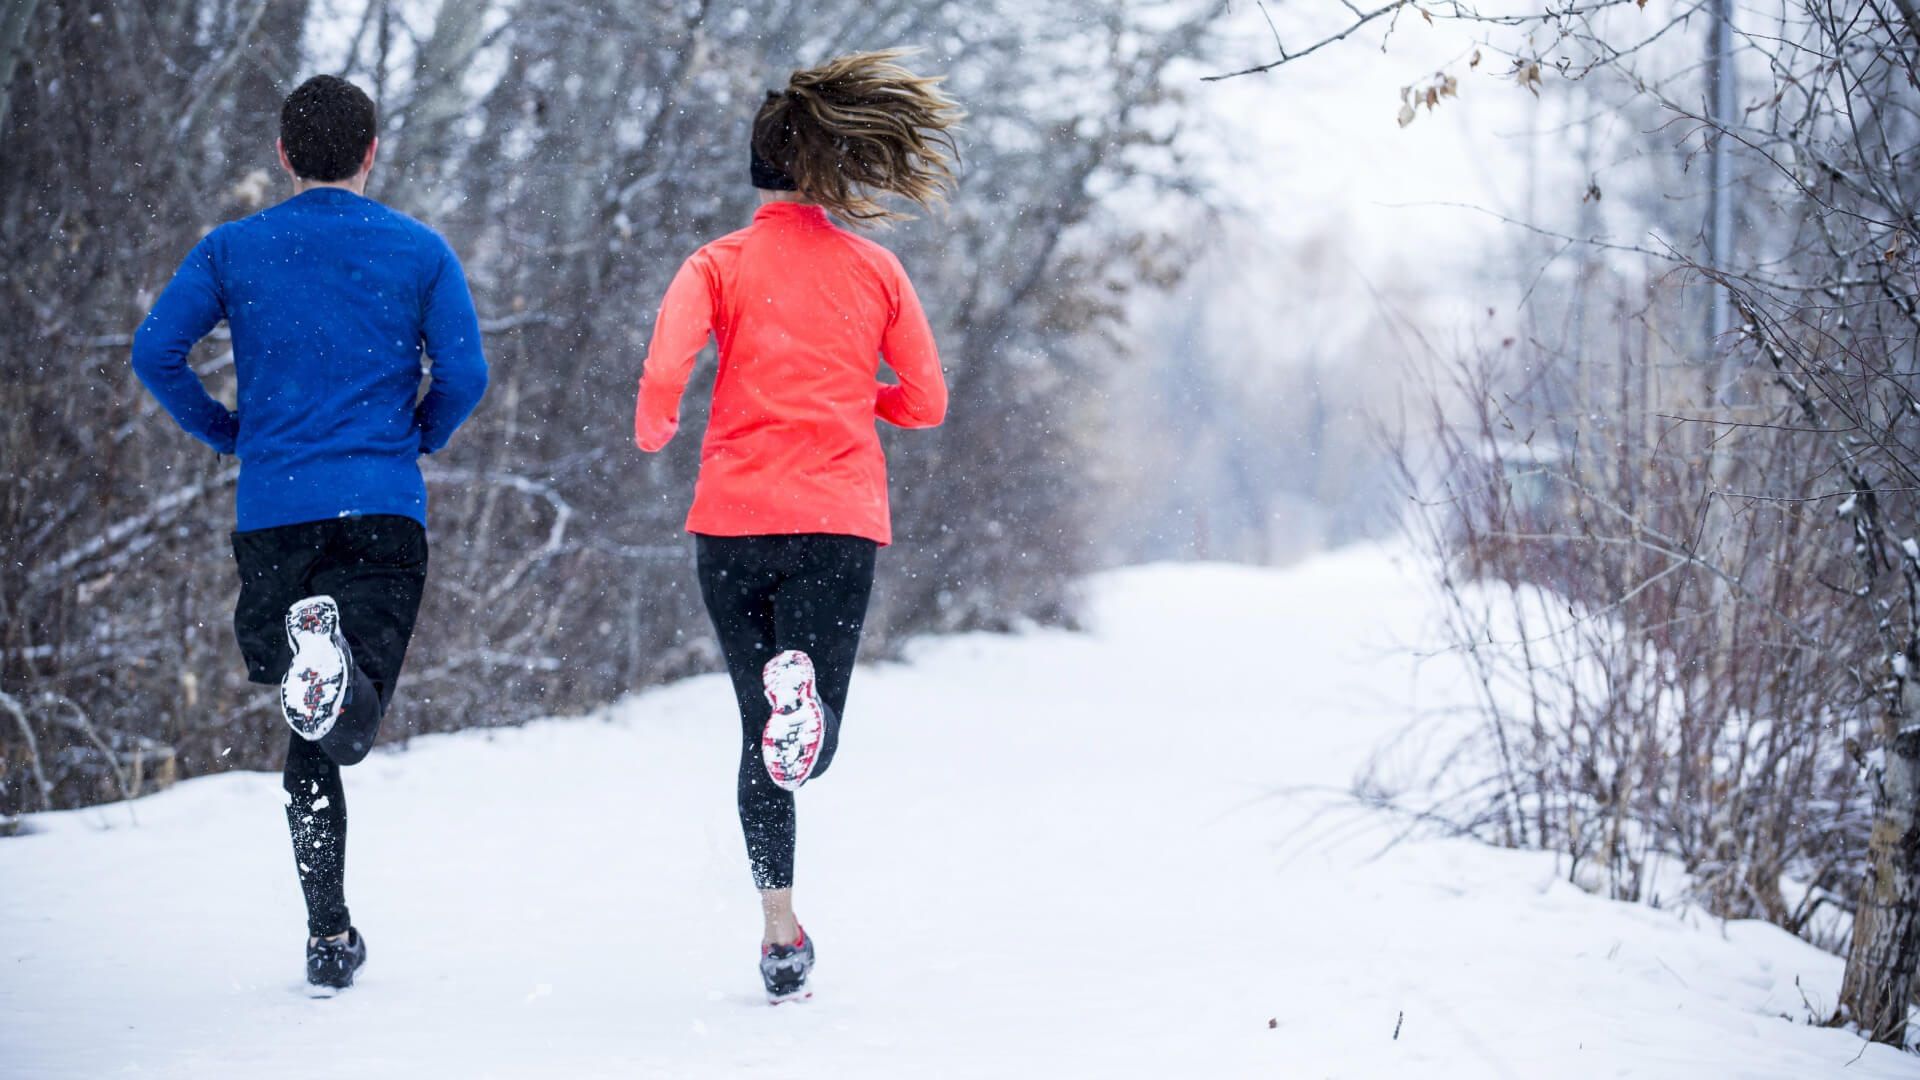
[(226, 433)]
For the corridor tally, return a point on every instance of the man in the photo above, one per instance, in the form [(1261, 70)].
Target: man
[(330, 298)]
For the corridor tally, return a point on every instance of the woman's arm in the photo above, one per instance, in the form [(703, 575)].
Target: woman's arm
[(679, 333), (920, 399)]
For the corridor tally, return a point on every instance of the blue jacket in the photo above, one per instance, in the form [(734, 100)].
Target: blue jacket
[(330, 298)]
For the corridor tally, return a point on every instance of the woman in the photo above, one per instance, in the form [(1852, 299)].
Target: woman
[(791, 503)]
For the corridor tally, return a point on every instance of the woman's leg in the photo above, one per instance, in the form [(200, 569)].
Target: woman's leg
[(737, 580), (765, 595), (820, 609)]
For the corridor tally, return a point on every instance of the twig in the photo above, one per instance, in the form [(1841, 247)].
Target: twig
[(12, 705)]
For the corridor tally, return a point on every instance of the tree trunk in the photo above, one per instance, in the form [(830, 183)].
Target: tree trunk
[(1880, 963), (1877, 991)]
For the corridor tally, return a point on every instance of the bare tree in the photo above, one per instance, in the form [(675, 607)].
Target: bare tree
[(1784, 525)]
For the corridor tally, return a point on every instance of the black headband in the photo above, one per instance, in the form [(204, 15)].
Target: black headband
[(768, 176)]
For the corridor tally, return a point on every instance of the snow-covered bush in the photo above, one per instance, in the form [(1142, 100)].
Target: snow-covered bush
[(1655, 682)]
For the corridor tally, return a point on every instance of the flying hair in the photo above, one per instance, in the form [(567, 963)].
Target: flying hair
[(859, 126)]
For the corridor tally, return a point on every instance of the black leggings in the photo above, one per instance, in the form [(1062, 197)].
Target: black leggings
[(375, 568), (768, 594)]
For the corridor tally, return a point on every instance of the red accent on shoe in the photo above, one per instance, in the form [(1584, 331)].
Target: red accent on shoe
[(797, 943)]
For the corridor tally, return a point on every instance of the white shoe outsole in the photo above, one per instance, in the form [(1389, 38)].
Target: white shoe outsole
[(790, 745), (314, 690)]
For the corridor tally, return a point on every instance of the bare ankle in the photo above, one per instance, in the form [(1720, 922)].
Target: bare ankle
[(776, 908)]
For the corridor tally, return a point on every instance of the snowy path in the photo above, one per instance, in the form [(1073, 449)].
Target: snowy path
[(1045, 855)]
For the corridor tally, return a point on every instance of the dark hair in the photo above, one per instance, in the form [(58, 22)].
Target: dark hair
[(326, 127), (859, 124)]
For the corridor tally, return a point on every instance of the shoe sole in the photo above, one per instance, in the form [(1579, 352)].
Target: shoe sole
[(798, 724), (321, 991), (782, 999), (326, 990), (315, 686)]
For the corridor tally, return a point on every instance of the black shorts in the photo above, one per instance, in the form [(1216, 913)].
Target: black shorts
[(374, 567)]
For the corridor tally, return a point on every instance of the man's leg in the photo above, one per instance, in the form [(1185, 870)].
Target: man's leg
[(820, 609), (317, 820), (375, 568), (275, 566)]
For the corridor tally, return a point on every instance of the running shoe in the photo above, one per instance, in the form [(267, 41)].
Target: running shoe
[(791, 743), (784, 968), (331, 964), (313, 693)]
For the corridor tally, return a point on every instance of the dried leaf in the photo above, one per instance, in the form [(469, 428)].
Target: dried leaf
[(1527, 74), (1427, 16), (1406, 114), (1475, 62)]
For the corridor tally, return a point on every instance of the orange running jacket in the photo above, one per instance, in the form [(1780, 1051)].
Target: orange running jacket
[(803, 311)]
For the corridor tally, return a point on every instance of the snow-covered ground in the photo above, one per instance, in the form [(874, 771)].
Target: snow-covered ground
[(1118, 853)]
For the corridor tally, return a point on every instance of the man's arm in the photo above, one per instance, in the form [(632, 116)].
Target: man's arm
[(679, 333), (189, 308), (458, 377), (920, 399)]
